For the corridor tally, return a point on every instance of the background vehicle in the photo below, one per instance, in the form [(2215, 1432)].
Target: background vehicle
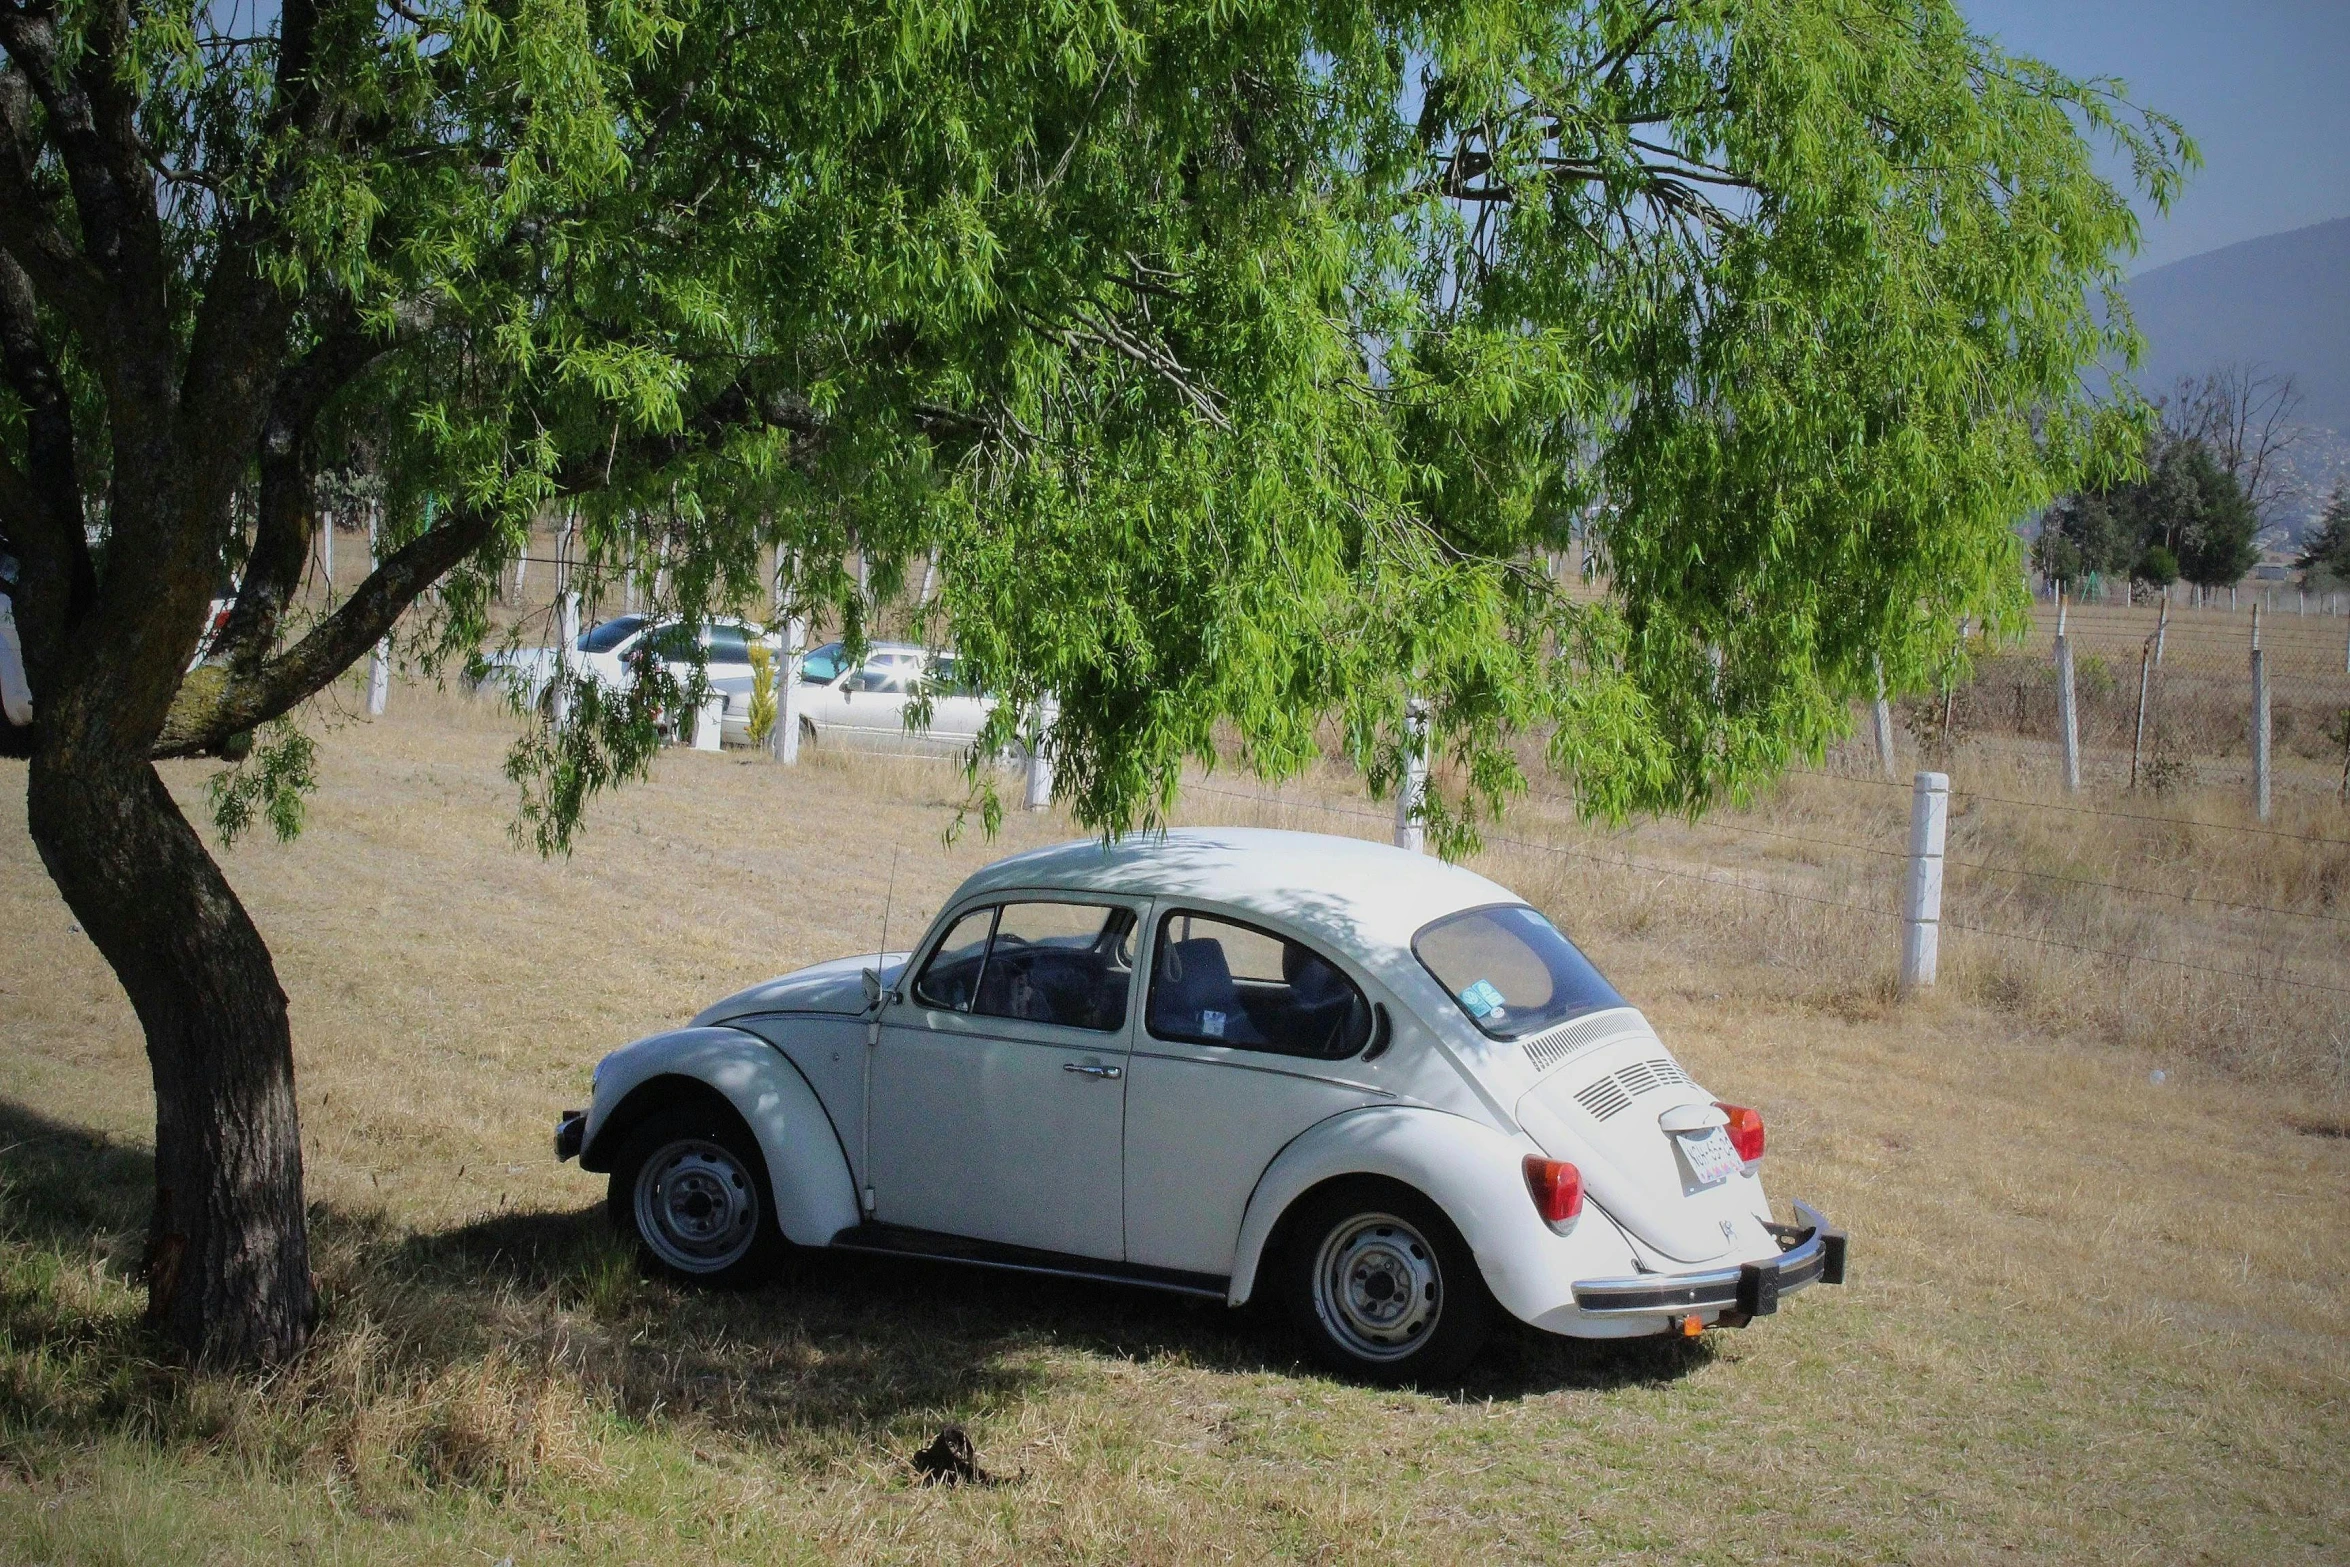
[(1222, 1062), (864, 704), (607, 651)]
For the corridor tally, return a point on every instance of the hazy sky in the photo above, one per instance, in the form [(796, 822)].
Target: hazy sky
[(2262, 85)]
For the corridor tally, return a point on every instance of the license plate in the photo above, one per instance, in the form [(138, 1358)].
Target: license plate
[(1711, 1158)]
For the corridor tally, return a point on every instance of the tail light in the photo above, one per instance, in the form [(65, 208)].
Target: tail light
[(1557, 1188), (1745, 1129)]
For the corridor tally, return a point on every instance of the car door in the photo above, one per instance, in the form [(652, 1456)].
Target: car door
[(998, 1100), (873, 700), (1245, 1040)]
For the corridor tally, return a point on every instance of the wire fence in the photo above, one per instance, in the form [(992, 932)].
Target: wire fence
[(2164, 695)]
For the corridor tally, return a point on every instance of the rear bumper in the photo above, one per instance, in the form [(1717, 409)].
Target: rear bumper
[(1811, 1252)]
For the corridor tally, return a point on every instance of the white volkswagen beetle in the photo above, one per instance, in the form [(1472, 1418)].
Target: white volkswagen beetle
[(1226, 1062)]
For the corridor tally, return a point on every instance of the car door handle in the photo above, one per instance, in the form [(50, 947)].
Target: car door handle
[(1093, 1069)]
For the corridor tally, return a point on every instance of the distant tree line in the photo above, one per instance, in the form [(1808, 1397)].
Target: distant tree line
[(2196, 510), (2325, 560)]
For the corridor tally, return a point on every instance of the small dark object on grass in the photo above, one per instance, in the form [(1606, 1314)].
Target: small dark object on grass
[(951, 1460)]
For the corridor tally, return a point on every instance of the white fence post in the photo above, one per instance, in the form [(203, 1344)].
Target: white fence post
[(784, 742), (1921, 927), (326, 550), (1410, 833), (2145, 688), (710, 722), (1040, 759), (1883, 715), (379, 663), (2260, 730), (2068, 716)]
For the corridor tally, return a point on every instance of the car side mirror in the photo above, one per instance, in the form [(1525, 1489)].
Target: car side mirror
[(872, 990)]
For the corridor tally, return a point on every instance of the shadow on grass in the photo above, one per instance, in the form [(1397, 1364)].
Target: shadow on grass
[(868, 1349)]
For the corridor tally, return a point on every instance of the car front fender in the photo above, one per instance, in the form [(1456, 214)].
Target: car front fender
[(1470, 1170), (815, 1196)]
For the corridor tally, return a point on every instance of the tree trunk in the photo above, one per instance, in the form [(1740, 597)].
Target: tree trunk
[(228, 1261)]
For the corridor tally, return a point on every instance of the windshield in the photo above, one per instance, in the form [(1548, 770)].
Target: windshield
[(821, 666), (1511, 970), (610, 634)]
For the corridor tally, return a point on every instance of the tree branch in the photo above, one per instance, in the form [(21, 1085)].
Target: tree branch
[(214, 704), (281, 540), (42, 501)]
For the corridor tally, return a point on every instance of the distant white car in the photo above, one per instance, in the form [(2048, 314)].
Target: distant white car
[(864, 704), (1383, 1089), (608, 651)]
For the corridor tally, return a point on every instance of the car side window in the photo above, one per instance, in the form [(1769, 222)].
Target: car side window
[(728, 645), (1065, 963), (1219, 982), (951, 977)]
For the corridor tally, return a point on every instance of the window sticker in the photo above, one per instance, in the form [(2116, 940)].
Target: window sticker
[(1482, 1000), (1212, 1024)]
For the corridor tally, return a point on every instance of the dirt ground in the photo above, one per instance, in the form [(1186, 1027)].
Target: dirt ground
[(2095, 1314)]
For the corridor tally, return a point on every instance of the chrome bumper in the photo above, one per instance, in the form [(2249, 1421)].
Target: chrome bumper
[(1811, 1252)]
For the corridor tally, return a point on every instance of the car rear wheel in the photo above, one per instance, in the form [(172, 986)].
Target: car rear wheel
[(1381, 1285), (690, 1186)]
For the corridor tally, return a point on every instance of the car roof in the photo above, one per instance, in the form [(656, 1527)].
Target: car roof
[(1364, 896)]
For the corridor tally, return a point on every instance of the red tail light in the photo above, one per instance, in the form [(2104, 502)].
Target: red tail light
[(1557, 1187), (1745, 1129)]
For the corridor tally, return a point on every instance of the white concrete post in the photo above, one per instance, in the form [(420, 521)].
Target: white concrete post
[(784, 743), (566, 655), (2161, 632), (2145, 689), (2068, 716), (929, 578), (1040, 757), (1410, 832), (1882, 713), (566, 626), (326, 550), (379, 663), (710, 722), (1921, 927), (2260, 729)]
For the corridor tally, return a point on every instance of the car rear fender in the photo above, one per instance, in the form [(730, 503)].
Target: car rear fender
[(815, 1197), (1472, 1171)]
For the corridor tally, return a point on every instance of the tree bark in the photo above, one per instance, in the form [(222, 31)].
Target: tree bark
[(228, 1259)]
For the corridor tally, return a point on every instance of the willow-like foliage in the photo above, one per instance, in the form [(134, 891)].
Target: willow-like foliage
[(1242, 365)]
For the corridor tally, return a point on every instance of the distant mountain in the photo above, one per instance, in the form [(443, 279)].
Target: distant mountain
[(2281, 301)]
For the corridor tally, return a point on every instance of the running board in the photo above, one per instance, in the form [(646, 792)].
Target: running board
[(898, 1240)]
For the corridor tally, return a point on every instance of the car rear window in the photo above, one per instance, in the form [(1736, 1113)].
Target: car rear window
[(1510, 970)]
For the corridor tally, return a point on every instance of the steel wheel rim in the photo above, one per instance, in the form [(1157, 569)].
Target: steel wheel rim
[(1378, 1289), (697, 1206)]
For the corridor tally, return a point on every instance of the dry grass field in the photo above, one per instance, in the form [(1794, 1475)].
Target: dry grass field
[(2093, 1316)]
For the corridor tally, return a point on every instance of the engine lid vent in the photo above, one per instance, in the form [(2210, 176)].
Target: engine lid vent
[(1608, 1095), (1552, 1046)]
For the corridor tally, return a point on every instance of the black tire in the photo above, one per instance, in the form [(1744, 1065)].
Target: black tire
[(807, 731), (1380, 1285), (690, 1187)]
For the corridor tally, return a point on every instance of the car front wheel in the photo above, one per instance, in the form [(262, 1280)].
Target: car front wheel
[(691, 1186), (1382, 1286)]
